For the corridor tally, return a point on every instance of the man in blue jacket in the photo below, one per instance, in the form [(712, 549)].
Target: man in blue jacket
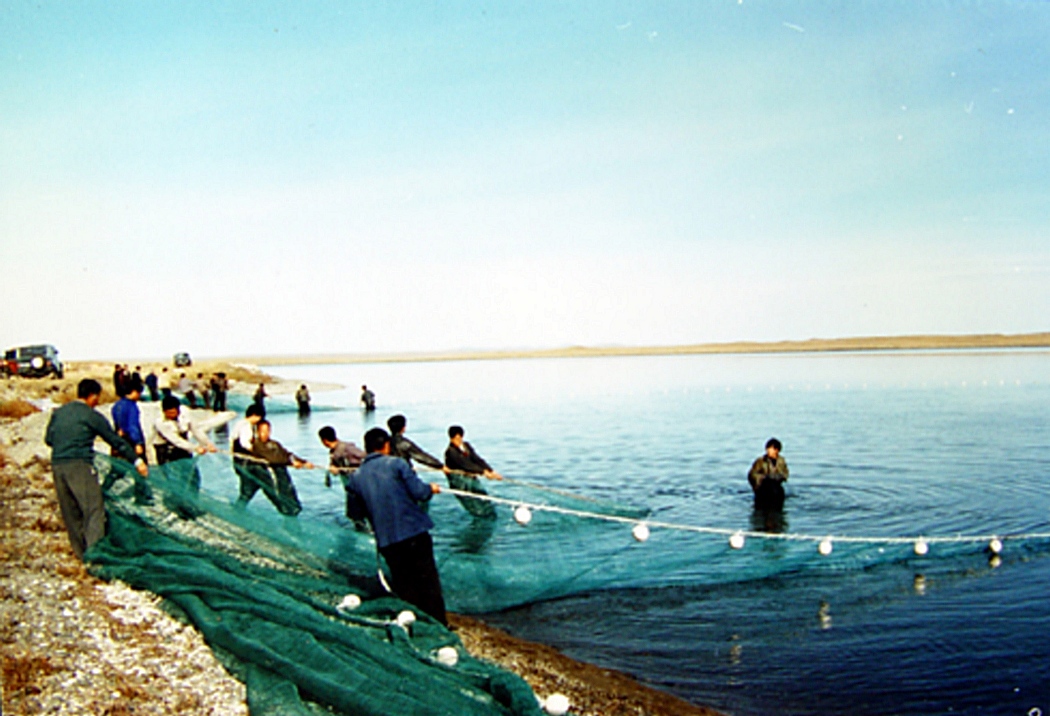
[(128, 424), (388, 492)]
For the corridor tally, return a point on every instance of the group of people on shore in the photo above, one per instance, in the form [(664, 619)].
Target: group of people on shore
[(211, 392)]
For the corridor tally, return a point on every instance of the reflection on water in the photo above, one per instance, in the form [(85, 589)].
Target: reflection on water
[(771, 521)]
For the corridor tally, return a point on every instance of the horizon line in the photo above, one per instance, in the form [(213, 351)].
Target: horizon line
[(810, 345)]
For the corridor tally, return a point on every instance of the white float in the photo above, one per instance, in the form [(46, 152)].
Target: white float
[(921, 547), (995, 546), (737, 540), (448, 655), (350, 601), (556, 705), (522, 515), (825, 546), (406, 619), (640, 532)]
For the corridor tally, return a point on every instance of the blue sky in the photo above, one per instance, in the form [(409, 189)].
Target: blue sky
[(248, 178)]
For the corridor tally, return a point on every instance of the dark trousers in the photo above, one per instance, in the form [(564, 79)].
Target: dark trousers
[(80, 500), (414, 574), (274, 481), (769, 495), (219, 401)]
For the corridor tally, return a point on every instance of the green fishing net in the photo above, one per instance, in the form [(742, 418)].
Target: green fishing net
[(266, 595)]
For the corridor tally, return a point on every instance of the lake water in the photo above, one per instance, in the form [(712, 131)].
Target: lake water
[(903, 444)]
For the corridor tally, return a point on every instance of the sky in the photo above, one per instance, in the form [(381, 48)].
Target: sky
[(249, 178)]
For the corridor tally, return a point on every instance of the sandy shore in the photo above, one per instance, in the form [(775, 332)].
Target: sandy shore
[(815, 345), (72, 644)]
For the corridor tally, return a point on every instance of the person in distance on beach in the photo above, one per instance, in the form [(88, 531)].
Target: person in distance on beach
[(202, 387), (164, 382), (260, 398), (387, 491), (279, 489), (120, 380), (151, 384), (71, 433), (767, 477), (463, 465), (222, 384)]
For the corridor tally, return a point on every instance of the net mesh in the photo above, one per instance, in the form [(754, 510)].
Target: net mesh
[(265, 592)]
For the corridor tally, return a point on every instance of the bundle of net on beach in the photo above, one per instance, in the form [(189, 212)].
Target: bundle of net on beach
[(267, 599)]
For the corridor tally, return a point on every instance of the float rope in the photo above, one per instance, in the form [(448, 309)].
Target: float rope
[(994, 541), (736, 536)]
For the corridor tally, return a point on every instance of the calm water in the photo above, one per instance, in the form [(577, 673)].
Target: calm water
[(907, 444)]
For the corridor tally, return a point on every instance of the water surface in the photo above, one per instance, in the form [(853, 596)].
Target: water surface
[(935, 444)]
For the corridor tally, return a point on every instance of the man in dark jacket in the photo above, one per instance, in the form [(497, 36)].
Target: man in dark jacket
[(71, 433), (387, 491), (463, 465), (278, 488), (767, 477), (402, 447)]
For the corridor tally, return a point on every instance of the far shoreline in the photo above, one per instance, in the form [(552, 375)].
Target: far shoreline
[(873, 344)]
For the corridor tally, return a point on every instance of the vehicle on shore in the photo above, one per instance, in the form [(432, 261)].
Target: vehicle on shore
[(32, 362), (182, 360)]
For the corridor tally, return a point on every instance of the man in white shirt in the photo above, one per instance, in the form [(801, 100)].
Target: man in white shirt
[(251, 471), (174, 451)]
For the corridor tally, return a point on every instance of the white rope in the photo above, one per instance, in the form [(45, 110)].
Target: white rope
[(920, 542), (726, 532)]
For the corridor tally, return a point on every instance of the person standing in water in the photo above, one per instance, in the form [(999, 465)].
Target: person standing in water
[(402, 447), (368, 399), (302, 397), (463, 466), (279, 489), (343, 455), (767, 477)]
